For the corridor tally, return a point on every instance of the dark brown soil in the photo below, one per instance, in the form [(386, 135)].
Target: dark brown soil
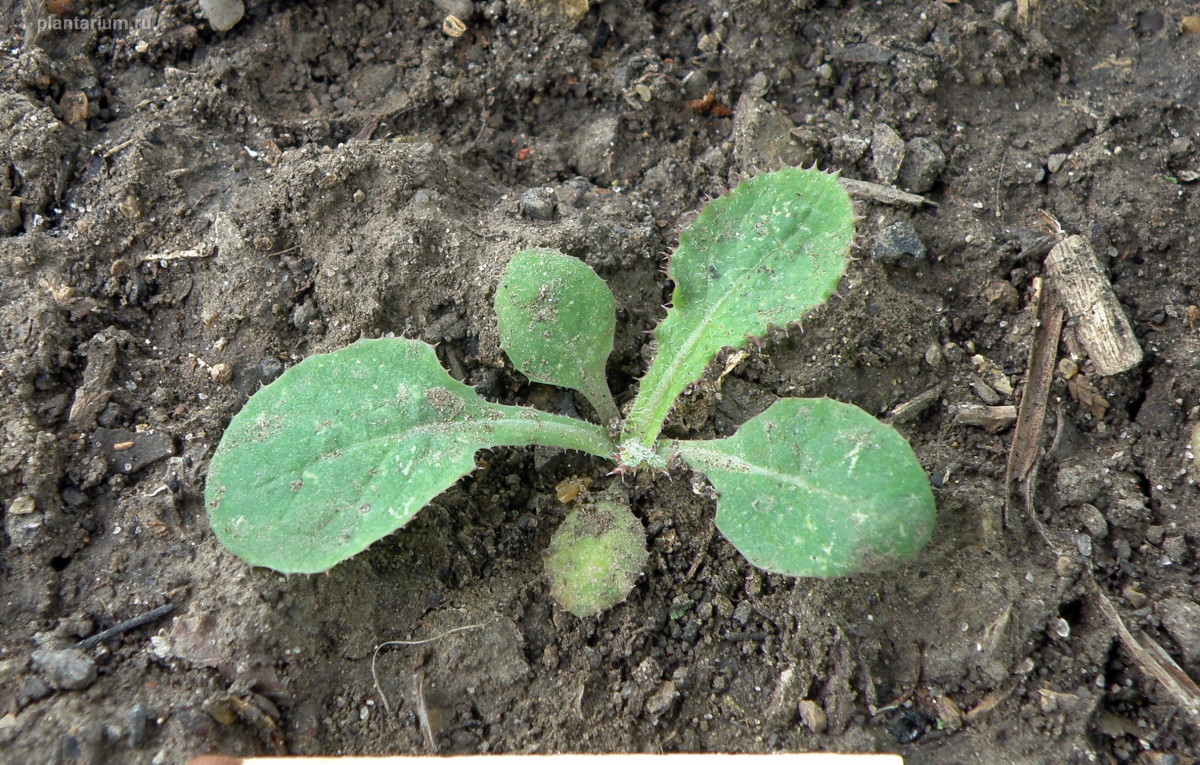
[(191, 211)]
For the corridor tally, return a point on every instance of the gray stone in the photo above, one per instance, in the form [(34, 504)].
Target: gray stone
[(742, 613), (662, 700), (222, 15), (1181, 618), (695, 84), (269, 369), (138, 725), (24, 523), (539, 203), (302, 314), (65, 669), (923, 162), (463, 9), (887, 154), (1093, 520), (897, 241), (762, 137), (592, 149)]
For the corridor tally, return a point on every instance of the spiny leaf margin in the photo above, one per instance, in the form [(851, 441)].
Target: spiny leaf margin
[(763, 255)]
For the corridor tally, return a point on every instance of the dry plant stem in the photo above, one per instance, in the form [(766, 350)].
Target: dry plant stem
[(1084, 290), (423, 713), (1153, 660), (1031, 415), (125, 626), (1022, 467)]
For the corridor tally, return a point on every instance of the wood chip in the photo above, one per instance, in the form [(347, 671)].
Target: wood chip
[(1099, 322), (989, 703), (887, 195), (991, 418), (948, 712), (93, 394), (1082, 390), (915, 406)]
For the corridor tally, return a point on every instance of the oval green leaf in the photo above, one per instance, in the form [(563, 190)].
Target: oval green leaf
[(556, 319), (595, 558), (814, 487), (345, 448), (763, 255)]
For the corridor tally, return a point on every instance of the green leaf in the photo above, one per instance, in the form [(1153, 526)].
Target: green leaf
[(813, 487), (346, 447), (556, 321), (595, 558), (764, 255)]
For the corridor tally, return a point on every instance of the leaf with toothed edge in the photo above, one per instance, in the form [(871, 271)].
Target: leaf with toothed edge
[(344, 448), (763, 255), (556, 320), (814, 487)]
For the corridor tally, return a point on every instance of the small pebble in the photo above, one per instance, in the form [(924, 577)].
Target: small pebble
[(1055, 162), (65, 669), (1134, 598), (813, 716), (896, 241), (1174, 546), (302, 314), (1093, 520), (923, 163), (1084, 544), (138, 721), (1002, 295), (592, 148), (1181, 619), (222, 15), (887, 153), (269, 370), (1059, 628), (934, 356), (539, 203), (741, 614), (662, 700)]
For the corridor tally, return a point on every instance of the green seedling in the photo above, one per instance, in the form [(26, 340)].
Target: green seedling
[(345, 448)]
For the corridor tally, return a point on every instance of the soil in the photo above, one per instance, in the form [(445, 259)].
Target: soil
[(191, 211)]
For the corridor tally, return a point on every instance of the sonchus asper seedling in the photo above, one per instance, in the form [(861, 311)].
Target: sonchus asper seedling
[(345, 448)]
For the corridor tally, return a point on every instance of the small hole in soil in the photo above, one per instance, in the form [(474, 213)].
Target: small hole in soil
[(1072, 611), (59, 563)]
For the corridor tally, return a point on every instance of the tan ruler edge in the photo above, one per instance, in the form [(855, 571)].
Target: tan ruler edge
[(809, 758)]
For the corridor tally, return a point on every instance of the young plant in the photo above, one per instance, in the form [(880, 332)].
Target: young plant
[(346, 447)]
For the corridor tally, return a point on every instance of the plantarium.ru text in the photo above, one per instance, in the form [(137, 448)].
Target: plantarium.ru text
[(346, 447)]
